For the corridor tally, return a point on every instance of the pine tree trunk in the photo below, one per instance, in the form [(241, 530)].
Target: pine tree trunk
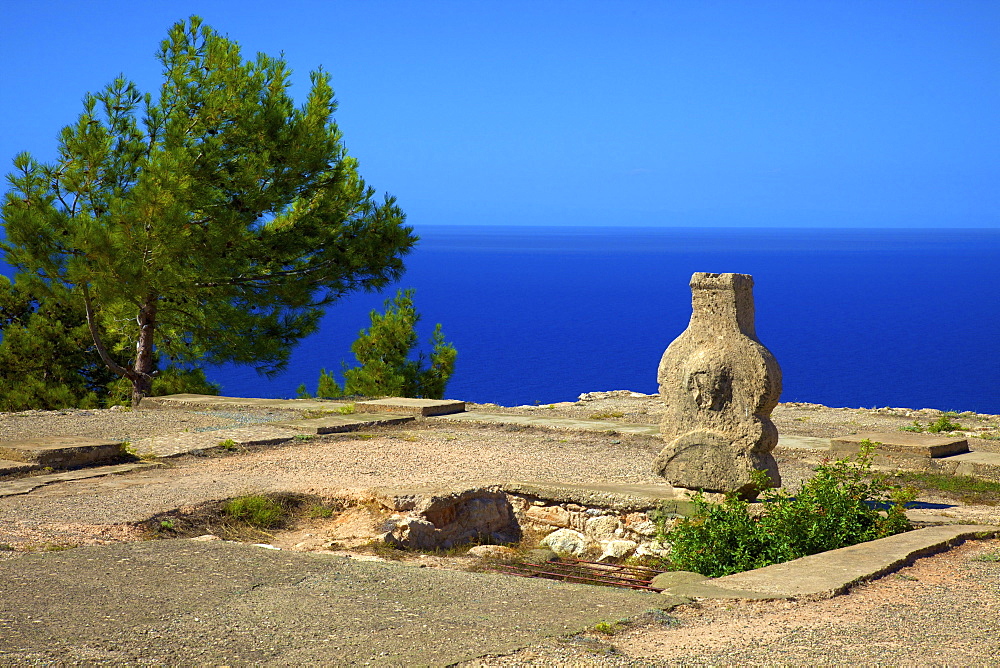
[(142, 383)]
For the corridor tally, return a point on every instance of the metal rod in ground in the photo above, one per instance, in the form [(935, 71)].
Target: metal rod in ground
[(573, 569), (578, 568), (647, 569), (603, 580)]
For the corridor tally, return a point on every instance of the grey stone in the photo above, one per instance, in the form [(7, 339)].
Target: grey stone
[(568, 543), (444, 519), (501, 552), (675, 578), (603, 528), (617, 549), (719, 385)]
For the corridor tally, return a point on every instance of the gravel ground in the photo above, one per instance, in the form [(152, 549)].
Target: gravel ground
[(941, 611), (126, 425)]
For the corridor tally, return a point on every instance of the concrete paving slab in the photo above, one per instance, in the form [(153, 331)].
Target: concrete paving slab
[(553, 423), (209, 401), (335, 424), (408, 406), (811, 443), (183, 602), (8, 467), (901, 443), (831, 573), (176, 445), (625, 498), (26, 484), (62, 452), (790, 442)]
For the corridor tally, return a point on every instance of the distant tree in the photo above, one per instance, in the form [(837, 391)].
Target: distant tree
[(386, 366), (212, 224)]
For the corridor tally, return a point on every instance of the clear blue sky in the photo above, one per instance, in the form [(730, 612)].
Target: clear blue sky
[(754, 113)]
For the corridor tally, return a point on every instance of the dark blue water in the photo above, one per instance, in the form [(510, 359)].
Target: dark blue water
[(856, 318)]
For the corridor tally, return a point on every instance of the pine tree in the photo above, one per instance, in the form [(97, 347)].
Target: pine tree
[(383, 352), (211, 224), (386, 366)]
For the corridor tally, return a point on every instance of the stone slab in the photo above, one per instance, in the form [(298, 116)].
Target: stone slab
[(555, 423), (408, 406), (810, 443), (336, 424), (832, 573), (28, 483), (901, 443), (62, 452), (9, 467), (211, 401)]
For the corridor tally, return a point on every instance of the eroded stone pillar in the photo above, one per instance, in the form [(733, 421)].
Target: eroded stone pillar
[(719, 385)]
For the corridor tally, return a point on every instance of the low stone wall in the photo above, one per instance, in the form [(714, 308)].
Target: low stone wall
[(605, 526), (573, 530)]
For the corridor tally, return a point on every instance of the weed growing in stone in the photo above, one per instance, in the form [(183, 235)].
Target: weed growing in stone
[(964, 488), (318, 511), (844, 503), (611, 628), (257, 510), (607, 416), (991, 558), (228, 444)]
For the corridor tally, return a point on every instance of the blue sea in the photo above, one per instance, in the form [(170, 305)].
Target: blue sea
[(855, 317)]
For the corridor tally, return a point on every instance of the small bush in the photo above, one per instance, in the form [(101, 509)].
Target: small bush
[(943, 424), (259, 511), (842, 504)]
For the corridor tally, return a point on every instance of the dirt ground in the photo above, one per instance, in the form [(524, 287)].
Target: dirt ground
[(943, 610)]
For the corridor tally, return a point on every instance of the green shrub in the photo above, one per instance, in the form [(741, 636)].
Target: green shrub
[(842, 504), (943, 424), (257, 510)]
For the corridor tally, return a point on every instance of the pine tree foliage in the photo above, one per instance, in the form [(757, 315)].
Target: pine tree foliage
[(209, 223), (48, 360), (46, 356), (386, 362)]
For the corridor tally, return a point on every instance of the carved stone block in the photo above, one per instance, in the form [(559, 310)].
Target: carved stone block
[(719, 385)]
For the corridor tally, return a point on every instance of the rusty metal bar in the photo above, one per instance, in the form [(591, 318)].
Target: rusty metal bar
[(577, 578), (591, 566), (553, 569), (646, 569), (579, 575)]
